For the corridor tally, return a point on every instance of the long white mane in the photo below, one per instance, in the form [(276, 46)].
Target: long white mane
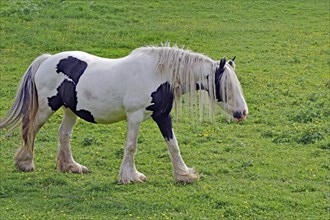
[(185, 70)]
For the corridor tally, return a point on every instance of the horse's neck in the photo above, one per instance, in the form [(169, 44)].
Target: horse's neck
[(183, 69), (198, 76)]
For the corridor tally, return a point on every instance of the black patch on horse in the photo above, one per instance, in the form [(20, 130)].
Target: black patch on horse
[(66, 87), (162, 100), (66, 92), (72, 67)]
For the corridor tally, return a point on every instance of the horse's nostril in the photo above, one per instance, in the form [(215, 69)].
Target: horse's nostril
[(237, 115), (244, 112)]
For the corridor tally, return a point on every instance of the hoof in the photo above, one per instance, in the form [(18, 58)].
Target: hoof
[(135, 177), (24, 160), (187, 177), (73, 168), (25, 166)]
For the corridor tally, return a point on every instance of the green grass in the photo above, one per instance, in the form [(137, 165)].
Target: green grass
[(275, 165)]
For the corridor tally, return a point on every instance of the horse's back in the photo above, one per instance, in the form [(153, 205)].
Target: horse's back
[(105, 88)]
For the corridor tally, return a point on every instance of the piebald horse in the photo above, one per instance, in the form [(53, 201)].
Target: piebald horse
[(142, 85)]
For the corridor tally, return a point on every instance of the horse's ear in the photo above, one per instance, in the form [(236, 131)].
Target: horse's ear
[(232, 62), (221, 68), (222, 63)]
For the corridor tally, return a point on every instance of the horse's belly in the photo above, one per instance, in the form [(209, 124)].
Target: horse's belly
[(108, 99), (104, 110), (108, 113), (110, 118)]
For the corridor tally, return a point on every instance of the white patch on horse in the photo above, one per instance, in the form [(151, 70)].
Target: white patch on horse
[(89, 95)]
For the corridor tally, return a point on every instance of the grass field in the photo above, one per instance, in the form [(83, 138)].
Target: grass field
[(275, 165)]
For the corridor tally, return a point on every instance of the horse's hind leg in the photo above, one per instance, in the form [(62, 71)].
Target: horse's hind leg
[(65, 161), (24, 155)]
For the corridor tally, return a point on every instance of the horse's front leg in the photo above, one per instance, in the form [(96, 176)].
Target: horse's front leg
[(128, 172), (181, 172)]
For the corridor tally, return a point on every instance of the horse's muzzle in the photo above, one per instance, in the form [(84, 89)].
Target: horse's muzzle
[(239, 115)]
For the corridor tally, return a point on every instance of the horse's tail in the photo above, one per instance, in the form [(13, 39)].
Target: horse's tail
[(26, 105)]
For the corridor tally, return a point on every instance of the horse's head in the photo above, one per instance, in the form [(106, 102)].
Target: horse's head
[(228, 90)]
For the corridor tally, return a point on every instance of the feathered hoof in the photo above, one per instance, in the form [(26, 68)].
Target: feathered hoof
[(136, 177), (188, 177), (25, 166), (72, 168)]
